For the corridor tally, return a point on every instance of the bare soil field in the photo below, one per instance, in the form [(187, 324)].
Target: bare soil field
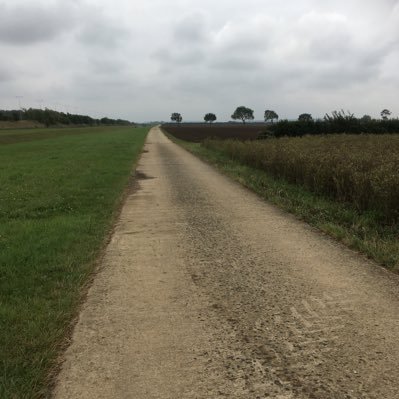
[(206, 291), (199, 132), (20, 125)]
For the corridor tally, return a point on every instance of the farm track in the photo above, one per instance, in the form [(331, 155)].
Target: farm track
[(205, 291)]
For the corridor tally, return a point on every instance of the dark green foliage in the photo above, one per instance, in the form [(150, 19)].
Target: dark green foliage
[(270, 115), (243, 113), (366, 118), (210, 117), (176, 117), (337, 123), (340, 116), (385, 114), (305, 118), (10, 116), (50, 118)]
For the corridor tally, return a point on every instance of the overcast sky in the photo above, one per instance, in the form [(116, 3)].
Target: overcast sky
[(143, 60)]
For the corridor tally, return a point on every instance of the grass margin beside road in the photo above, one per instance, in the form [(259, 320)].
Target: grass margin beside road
[(359, 231), (59, 199)]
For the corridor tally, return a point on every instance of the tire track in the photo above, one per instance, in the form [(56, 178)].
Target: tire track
[(300, 319), (208, 292)]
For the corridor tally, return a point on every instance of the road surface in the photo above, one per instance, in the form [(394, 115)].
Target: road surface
[(206, 291)]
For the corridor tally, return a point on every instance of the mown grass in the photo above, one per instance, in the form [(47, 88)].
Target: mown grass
[(58, 198), (364, 231)]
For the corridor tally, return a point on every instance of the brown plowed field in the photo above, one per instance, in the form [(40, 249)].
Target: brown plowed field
[(199, 132)]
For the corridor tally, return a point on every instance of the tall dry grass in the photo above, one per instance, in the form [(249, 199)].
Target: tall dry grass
[(360, 169)]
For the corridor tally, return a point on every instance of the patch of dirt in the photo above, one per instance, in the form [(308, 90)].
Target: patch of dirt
[(20, 125), (141, 175)]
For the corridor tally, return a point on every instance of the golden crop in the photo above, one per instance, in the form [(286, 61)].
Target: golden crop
[(360, 169)]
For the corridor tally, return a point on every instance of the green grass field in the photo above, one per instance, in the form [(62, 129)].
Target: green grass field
[(58, 199)]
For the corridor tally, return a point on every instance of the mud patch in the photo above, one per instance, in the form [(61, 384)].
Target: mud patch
[(142, 176)]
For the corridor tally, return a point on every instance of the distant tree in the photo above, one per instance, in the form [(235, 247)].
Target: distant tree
[(270, 115), (305, 118), (243, 113), (366, 118), (106, 121), (50, 117), (176, 117), (385, 113), (210, 117)]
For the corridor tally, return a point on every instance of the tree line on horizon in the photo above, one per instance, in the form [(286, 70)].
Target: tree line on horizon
[(247, 114), (335, 123), (50, 118)]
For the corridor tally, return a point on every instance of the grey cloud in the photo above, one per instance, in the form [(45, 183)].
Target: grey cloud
[(6, 74), (191, 28), (101, 32), (339, 76), (107, 66), (181, 57), (24, 25), (191, 44), (237, 62), (231, 47)]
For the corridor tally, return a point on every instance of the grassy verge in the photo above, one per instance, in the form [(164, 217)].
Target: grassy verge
[(360, 231), (58, 198)]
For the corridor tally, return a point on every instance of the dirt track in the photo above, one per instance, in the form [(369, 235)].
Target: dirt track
[(208, 292)]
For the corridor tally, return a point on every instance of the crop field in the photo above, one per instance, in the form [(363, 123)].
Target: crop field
[(346, 185), (362, 170), (59, 193), (198, 132)]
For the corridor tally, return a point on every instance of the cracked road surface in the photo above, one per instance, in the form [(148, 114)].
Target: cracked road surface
[(206, 291)]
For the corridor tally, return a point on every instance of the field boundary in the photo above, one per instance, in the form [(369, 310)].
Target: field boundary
[(27, 135)]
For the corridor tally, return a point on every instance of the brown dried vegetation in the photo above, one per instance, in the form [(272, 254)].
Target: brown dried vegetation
[(359, 169)]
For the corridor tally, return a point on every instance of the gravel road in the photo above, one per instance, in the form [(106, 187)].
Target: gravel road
[(206, 291)]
